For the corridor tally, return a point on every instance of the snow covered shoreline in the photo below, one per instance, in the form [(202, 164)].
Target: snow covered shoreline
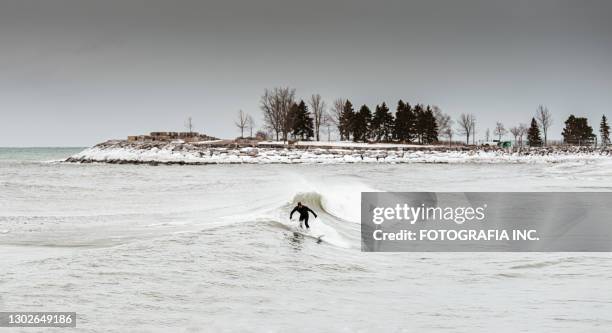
[(120, 152)]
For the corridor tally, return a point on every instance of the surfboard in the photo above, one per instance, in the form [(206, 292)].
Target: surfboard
[(308, 233)]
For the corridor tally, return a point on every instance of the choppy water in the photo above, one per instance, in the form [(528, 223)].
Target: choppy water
[(209, 248)]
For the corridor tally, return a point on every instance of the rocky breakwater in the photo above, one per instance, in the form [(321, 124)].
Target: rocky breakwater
[(229, 152)]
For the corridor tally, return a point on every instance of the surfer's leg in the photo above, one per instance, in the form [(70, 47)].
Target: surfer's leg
[(306, 222)]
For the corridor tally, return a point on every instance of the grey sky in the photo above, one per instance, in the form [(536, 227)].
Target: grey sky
[(77, 72)]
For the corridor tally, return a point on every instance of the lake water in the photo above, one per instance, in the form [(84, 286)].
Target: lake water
[(210, 248)]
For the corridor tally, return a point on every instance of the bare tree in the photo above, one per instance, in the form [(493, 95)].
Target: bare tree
[(317, 105), (327, 122), (250, 124), (544, 118), (336, 112), (488, 135), (449, 134), (466, 123), (499, 130), (522, 133), (443, 122), (269, 104), (242, 121), (276, 106), (516, 131), (287, 99), (474, 130), (189, 124), (473, 123)]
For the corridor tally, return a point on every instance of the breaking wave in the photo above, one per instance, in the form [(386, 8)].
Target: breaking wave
[(338, 213)]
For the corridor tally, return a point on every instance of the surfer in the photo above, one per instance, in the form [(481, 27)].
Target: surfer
[(303, 210)]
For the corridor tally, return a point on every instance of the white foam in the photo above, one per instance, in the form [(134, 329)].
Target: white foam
[(329, 234)]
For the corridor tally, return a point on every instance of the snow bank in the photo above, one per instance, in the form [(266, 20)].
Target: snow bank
[(350, 144), (188, 154)]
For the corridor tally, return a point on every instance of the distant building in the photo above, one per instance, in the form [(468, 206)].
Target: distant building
[(139, 138), (170, 136)]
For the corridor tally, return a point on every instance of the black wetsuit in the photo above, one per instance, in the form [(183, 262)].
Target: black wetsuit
[(303, 214)]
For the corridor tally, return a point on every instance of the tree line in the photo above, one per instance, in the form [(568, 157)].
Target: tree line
[(287, 118), (576, 131), (409, 123)]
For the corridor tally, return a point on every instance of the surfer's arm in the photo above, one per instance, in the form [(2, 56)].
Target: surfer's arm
[(293, 211), (313, 213)]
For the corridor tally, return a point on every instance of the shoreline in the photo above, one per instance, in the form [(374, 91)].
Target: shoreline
[(229, 152)]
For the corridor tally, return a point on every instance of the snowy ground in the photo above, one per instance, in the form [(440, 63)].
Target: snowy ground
[(386, 153), (350, 144)]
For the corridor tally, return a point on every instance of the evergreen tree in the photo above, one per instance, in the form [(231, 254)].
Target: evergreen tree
[(376, 124), (382, 123), (604, 130), (577, 131), (430, 127), (308, 121), (361, 124), (302, 121), (404, 122), (420, 122), (293, 119), (296, 123), (533, 134), (346, 121), (388, 123)]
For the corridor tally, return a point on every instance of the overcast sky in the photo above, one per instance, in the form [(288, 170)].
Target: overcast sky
[(77, 72)]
